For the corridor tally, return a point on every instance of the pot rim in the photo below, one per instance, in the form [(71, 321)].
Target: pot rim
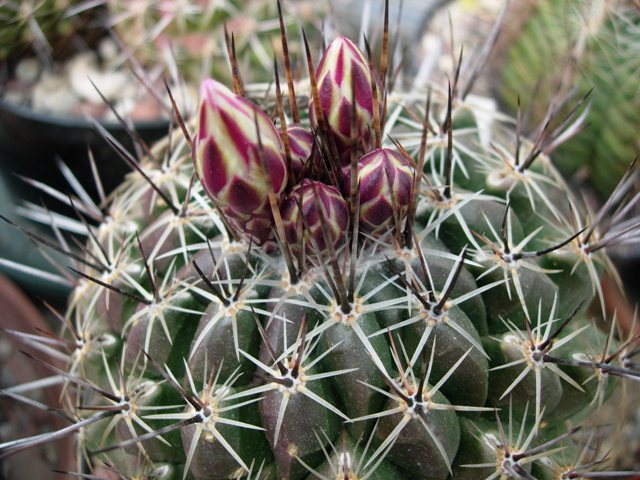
[(70, 121)]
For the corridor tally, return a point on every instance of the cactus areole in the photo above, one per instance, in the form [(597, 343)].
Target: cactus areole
[(329, 302)]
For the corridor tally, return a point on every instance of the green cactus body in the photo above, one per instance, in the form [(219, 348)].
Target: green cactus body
[(206, 337), (597, 41), (38, 24), (192, 33), (213, 348)]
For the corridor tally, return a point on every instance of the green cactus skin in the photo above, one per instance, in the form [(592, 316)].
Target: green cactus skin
[(194, 31), (598, 42), (38, 24), (455, 344)]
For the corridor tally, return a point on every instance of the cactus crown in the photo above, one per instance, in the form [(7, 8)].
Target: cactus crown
[(373, 284)]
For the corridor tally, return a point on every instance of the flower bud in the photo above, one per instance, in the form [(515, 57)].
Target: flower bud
[(342, 65), (386, 180), (300, 145), (228, 162), (320, 204)]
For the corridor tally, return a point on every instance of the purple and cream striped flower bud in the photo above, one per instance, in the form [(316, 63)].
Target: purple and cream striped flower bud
[(227, 158), (300, 145), (386, 180), (341, 65), (320, 203)]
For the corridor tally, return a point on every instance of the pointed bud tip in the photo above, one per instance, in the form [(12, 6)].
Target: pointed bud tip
[(238, 156)]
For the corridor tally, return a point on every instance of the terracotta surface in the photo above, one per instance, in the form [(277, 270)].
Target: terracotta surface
[(17, 312)]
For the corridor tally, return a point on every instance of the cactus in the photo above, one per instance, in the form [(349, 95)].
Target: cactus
[(379, 284), (597, 42), (192, 33), (42, 25)]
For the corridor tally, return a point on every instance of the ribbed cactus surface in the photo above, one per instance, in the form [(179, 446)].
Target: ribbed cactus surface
[(35, 24), (192, 33), (361, 284), (581, 46)]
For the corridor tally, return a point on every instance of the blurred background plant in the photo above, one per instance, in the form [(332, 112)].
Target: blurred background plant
[(562, 49), (52, 52), (43, 26), (191, 34), (552, 54)]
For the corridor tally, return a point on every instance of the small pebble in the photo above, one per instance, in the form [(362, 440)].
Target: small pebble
[(89, 109), (28, 70), (15, 96), (52, 94), (84, 69), (146, 109), (123, 107), (107, 49)]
